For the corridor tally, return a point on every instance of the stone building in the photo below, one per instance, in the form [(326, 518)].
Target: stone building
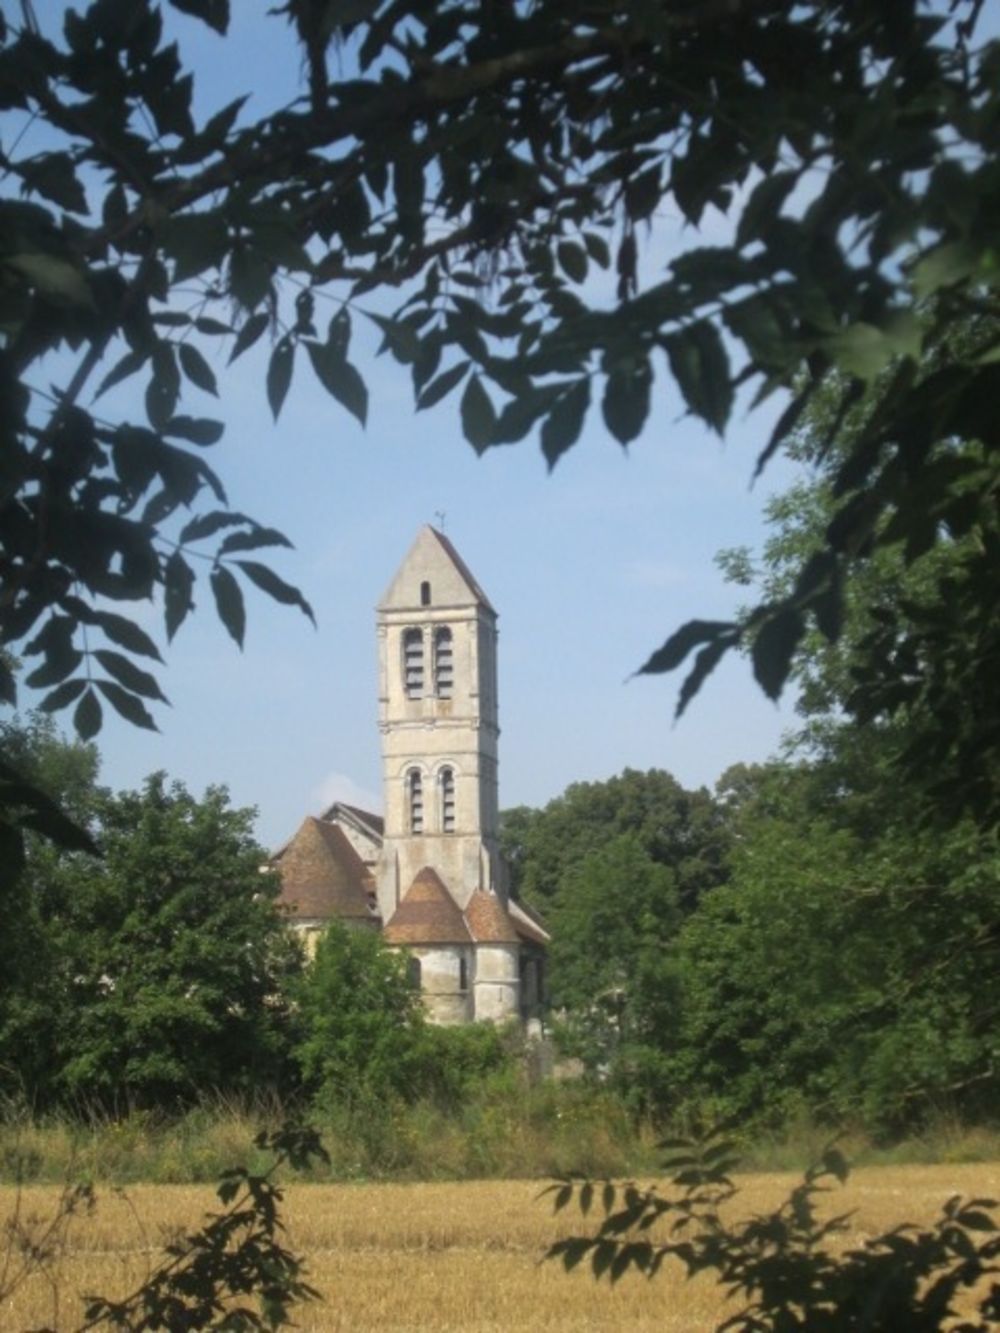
[(429, 874)]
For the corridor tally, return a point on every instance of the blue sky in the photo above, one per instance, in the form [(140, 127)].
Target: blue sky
[(589, 568)]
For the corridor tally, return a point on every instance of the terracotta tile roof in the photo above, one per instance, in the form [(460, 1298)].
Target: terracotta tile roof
[(528, 923), (463, 569), (428, 914), (322, 875), (488, 921)]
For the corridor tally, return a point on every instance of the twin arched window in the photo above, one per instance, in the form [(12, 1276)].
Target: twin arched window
[(415, 799), (413, 663)]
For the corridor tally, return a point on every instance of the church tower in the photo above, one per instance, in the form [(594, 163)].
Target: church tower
[(437, 642)]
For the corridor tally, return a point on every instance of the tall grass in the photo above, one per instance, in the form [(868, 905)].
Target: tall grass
[(503, 1130)]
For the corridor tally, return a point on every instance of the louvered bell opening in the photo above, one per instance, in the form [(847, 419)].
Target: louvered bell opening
[(413, 663), (416, 802), (443, 664), (447, 800)]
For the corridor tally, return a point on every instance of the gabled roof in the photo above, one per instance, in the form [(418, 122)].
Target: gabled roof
[(433, 558), (428, 914), (371, 823), (322, 875), (488, 921), (528, 923)]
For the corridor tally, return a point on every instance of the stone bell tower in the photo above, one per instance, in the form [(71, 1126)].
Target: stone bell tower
[(437, 644)]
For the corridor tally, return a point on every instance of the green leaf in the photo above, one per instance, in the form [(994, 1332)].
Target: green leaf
[(250, 331), (597, 248), (62, 696), (131, 708), (127, 634), (87, 716), (229, 602), (128, 674), (252, 540), (439, 388), (269, 582), (197, 369), (53, 277), (701, 368), (213, 12), (773, 647), (164, 386), (626, 399), (206, 525), (682, 642), (199, 430), (58, 664), (121, 370), (340, 379), (279, 373), (178, 582), (478, 415), (561, 428), (195, 242), (573, 260), (401, 340)]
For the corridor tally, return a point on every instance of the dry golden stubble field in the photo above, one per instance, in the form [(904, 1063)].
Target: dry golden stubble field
[(437, 1257)]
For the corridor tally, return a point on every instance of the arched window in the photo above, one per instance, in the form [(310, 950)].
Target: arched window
[(415, 794), (463, 973), (413, 971), (443, 663), (425, 593), (447, 781), (413, 662)]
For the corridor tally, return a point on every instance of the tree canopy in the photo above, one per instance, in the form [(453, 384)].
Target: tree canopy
[(500, 168)]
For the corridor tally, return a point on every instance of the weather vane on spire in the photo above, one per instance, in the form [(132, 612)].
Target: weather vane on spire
[(439, 514)]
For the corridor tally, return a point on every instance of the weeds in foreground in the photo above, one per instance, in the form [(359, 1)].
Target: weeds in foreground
[(782, 1264), (233, 1274)]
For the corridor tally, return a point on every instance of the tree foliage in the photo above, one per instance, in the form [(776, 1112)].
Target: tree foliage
[(362, 1019), (498, 166), (681, 829), (155, 974), (786, 1268)]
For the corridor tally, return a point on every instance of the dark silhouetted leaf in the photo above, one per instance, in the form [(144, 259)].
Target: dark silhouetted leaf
[(773, 647), (250, 331), (279, 373), (178, 582), (131, 708), (199, 430), (479, 420), (197, 369), (561, 428), (626, 399), (269, 582), (87, 716), (128, 674), (229, 602), (439, 388), (340, 379)]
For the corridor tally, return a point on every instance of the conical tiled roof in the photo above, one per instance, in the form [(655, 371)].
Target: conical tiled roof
[(322, 875), (428, 914), (488, 921)]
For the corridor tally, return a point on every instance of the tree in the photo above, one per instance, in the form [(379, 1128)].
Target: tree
[(362, 1020), (485, 161), (614, 919), (846, 970), (682, 830), (161, 971)]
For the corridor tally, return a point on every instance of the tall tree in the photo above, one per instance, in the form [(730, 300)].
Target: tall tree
[(679, 829), (161, 971), (491, 159)]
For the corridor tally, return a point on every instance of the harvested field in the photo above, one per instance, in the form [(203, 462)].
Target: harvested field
[(447, 1256)]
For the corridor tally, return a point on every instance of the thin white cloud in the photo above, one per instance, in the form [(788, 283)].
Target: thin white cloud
[(339, 787)]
